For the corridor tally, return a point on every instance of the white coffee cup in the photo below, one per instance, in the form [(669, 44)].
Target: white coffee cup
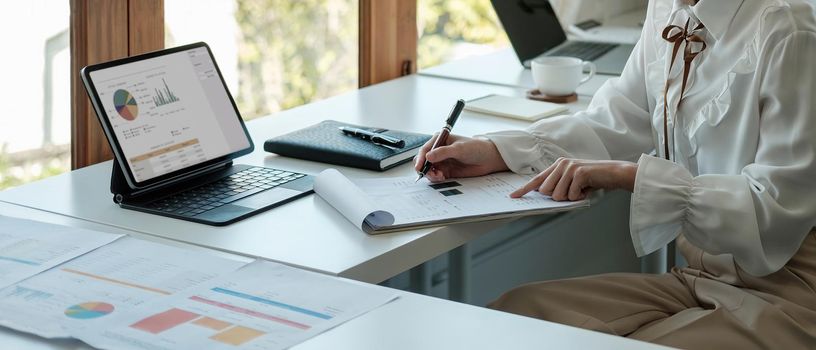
[(560, 76)]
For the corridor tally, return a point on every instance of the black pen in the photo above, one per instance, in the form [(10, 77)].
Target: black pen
[(443, 136), (373, 137)]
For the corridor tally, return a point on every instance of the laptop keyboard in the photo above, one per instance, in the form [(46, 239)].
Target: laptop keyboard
[(229, 189), (583, 50)]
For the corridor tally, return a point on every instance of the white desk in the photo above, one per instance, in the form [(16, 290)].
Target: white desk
[(411, 322), (306, 233), (500, 68)]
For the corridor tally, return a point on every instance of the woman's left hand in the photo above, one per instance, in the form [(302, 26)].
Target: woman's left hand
[(574, 179)]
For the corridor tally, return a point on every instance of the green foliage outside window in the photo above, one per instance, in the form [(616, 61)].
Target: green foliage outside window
[(444, 23), (294, 52)]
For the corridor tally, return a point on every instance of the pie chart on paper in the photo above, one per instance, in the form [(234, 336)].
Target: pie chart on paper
[(89, 310), (125, 104)]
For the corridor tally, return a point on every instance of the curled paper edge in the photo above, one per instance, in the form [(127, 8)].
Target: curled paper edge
[(350, 201)]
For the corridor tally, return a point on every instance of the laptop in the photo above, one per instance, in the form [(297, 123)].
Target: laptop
[(174, 130), (534, 31)]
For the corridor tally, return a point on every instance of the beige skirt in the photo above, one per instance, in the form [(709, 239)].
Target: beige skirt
[(711, 304)]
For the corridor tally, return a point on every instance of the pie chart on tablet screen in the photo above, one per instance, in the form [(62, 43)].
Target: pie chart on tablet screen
[(125, 104)]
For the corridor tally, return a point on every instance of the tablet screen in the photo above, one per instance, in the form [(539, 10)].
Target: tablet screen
[(169, 112)]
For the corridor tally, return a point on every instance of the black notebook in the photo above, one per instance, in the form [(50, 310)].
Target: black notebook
[(324, 142)]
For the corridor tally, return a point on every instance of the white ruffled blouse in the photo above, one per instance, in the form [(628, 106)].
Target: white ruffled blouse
[(742, 179)]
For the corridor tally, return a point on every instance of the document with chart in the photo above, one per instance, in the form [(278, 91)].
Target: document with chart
[(379, 205), (264, 305), (30, 247), (87, 292)]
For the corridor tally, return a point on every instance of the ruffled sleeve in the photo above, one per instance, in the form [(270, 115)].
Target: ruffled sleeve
[(762, 214)]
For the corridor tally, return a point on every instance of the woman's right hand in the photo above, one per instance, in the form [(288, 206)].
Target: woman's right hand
[(460, 157)]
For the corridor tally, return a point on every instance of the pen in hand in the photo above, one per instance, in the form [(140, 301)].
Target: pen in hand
[(443, 135)]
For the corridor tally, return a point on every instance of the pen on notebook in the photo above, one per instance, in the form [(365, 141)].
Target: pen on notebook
[(443, 136), (373, 137)]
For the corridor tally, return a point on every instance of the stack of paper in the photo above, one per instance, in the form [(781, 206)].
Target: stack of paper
[(262, 306), (134, 294), (112, 280)]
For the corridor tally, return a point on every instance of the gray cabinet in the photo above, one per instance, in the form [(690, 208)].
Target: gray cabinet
[(578, 243)]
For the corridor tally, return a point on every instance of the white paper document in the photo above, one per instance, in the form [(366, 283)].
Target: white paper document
[(87, 292), (30, 247), (387, 204), (264, 305)]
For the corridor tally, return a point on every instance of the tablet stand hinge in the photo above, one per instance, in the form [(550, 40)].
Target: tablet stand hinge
[(122, 191)]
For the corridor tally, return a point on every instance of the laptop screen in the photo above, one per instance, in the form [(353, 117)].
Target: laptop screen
[(531, 26), (169, 112)]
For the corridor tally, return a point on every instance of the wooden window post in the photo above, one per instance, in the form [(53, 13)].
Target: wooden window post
[(388, 40), (103, 30)]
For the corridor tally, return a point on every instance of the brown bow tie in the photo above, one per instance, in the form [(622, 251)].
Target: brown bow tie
[(678, 36)]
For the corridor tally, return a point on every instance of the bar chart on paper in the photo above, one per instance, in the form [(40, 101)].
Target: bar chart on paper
[(89, 290), (223, 332), (221, 316), (261, 306)]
